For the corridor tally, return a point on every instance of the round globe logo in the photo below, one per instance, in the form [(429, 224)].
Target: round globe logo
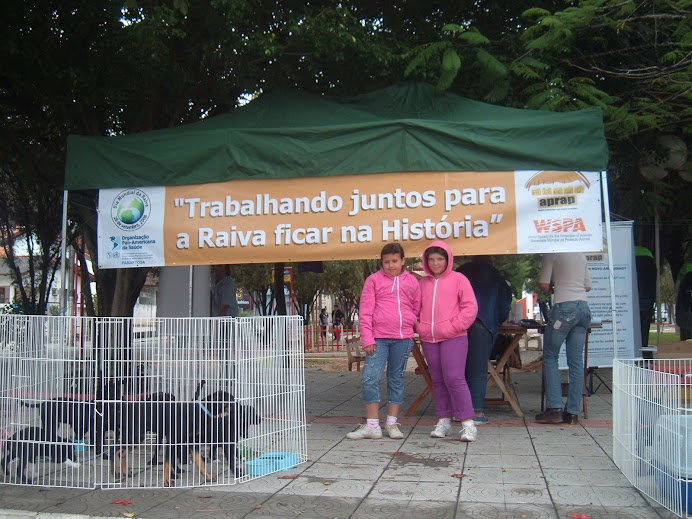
[(130, 209)]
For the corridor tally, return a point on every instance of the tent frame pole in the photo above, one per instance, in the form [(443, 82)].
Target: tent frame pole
[(63, 256)]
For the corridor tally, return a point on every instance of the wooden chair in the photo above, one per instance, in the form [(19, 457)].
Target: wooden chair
[(354, 353)]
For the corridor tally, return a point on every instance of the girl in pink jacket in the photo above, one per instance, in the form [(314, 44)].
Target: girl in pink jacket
[(389, 307), (448, 308)]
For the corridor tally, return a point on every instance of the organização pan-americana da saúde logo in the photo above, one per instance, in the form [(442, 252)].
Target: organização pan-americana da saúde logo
[(130, 209)]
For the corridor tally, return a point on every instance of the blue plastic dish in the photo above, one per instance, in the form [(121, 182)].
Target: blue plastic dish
[(271, 462)]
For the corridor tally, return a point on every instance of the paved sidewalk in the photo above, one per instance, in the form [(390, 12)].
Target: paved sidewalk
[(516, 469)]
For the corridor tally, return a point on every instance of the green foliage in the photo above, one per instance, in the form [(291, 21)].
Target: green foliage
[(421, 55), (256, 279)]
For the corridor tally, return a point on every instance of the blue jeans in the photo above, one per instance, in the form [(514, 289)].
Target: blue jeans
[(481, 341), (568, 323), (394, 354)]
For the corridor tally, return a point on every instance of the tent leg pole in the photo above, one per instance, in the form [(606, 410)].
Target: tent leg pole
[(189, 293), (63, 256)]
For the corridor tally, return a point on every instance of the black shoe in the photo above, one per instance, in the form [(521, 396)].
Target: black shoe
[(550, 416), (569, 418)]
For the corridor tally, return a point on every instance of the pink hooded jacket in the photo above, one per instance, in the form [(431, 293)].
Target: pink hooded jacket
[(448, 304), (389, 307)]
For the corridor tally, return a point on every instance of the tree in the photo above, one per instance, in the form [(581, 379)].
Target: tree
[(632, 59), (344, 281), (101, 68), (629, 58), (307, 287), (256, 278), (30, 213)]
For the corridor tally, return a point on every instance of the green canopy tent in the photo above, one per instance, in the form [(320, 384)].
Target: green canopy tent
[(290, 134), (285, 134)]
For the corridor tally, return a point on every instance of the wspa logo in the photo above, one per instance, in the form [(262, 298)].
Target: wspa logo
[(555, 190), (130, 209)]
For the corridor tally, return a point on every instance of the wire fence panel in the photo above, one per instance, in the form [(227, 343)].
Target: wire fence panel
[(652, 428), (47, 400), (147, 403)]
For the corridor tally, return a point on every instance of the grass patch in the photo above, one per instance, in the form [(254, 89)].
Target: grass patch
[(665, 336), (317, 361)]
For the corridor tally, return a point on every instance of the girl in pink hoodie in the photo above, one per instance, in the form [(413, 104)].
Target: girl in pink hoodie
[(389, 307), (448, 308)]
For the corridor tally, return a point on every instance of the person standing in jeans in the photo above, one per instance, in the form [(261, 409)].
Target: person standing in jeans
[(565, 275), (389, 308)]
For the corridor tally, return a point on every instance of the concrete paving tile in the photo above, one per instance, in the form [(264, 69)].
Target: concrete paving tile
[(416, 491), (611, 512), (343, 471), (419, 473), (570, 511), (532, 476), (557, 462), (389, 509), (607, 478), (450, 444), (573, 495), (482, 492), (526, 494), (305, 507), (564, 477), (484, 475), (368, 446), (487, 448), (328, 487), (483, 460), (29, 498), (510, 461), (265, 485), (357, 457), (479, 510), (632, 513), (619, 496), (529, 511), (192, 505), (595, 462)]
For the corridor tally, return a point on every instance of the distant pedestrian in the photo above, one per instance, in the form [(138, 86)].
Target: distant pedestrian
[(448, 308), (389, 307), (224, 293), (324, 322)]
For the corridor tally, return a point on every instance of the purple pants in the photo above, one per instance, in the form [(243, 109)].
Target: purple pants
[(447, 365)]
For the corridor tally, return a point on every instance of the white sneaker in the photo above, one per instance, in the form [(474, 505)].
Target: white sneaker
[(393, 431), (441, 429), (365, 432), (469, 432)]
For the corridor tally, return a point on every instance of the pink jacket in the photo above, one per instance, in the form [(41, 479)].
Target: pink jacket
[(448, 304), (389, 307)]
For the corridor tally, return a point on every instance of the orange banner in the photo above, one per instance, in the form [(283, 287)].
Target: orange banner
[(343, 217)]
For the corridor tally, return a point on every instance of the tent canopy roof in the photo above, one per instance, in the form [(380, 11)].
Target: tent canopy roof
[(287, 133)]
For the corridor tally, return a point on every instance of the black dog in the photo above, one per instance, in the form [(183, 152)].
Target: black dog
[(233, 425), (80, 415), (179, 423), (30, 444)]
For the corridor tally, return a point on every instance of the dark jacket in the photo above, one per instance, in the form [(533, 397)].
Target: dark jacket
[(493, 294)]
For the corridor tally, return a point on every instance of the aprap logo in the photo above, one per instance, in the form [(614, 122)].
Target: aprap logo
[(554, 189), (130, 209)]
